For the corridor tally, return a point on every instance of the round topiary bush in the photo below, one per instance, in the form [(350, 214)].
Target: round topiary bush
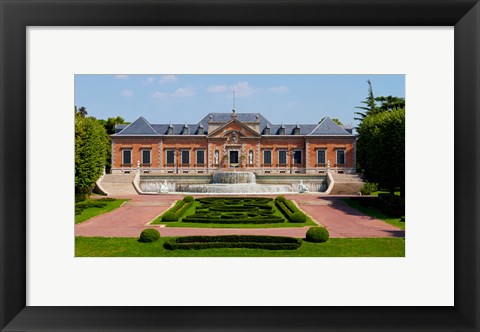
[(298, 217), (317, 234), (188, 199), (149, 235), (169, 216), (280, 198)]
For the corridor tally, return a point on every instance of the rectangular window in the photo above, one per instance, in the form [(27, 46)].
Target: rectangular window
[(170, 156), (282, 156), (185, 157), (267, 157), (127, 157), (146, 157), (297, 157), (200, 157), (340, 156), (321, 157)]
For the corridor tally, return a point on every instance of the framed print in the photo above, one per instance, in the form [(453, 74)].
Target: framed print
[(193, 306)]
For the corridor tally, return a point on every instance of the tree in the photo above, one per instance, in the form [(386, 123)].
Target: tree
[(371, 105), (110, 123), (381, 149), (337, 121), (91, 146), (81, 112), (389, 103), (109, 126)]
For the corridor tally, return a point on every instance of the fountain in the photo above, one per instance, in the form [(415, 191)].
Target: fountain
[(236, 183), (229, 182)]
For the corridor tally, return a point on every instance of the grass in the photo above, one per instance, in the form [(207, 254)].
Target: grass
[(351, 247), (375, 193), (93, 211), (374, 212), (191, 211)]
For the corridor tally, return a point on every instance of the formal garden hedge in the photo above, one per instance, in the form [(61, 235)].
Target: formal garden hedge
[(289, 210), (234, 210), (177, 211), (94, 203), (317, 235), (233, 241)]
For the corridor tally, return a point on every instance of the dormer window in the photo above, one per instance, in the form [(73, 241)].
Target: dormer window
[(281, 131), (266, 131), (186, 130), (296, 131), (170, 130), (200, 130)]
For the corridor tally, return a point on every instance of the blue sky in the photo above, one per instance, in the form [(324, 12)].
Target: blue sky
[(188, 98)]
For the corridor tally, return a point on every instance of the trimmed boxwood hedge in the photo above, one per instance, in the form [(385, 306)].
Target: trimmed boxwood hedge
[(317, 235), (289, 210), (233, 241), (149, 235), (177, 211)]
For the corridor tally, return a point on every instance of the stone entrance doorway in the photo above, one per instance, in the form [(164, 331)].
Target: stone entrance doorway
[(233, 158)]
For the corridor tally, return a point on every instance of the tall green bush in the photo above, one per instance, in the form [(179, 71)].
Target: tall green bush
[(91, 146)]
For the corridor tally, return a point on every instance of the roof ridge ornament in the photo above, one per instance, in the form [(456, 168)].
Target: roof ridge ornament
[(234, 115)]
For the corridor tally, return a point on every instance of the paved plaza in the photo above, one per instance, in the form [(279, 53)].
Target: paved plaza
[(135, 215)]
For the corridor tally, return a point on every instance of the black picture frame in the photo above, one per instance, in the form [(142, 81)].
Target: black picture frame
[(16, 15)]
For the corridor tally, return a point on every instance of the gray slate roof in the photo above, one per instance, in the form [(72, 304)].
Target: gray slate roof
[(142, 127)]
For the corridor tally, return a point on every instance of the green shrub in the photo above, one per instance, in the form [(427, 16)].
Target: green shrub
[(298, 217), (188, 199), (169, 216), (368, 188), (233, 241), (78, 210), (317, 234), (149, 235), (280, 199), (80, 197), (107, 199), (392, 205)]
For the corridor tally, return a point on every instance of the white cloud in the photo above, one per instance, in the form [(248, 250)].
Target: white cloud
[(217, 88), (121, 77), (183, 92), (279, 89), (151, 79), (167, 78), (159, 94), (179, 93), (127, 93), (242, 89)]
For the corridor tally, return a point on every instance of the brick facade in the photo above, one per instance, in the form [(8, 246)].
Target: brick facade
[(232, 145)]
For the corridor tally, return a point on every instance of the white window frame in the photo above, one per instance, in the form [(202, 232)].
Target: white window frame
[(166, 157), (196, 156), (286, 156), (324, 156), (301, 157), (123, 157), (150, 153), (344, 157), (181, 157), (267, 150)]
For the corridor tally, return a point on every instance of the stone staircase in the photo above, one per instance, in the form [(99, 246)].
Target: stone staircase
[(346, 184), (118, 184)]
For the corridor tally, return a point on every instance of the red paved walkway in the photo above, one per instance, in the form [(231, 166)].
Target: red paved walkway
[(130, 219)]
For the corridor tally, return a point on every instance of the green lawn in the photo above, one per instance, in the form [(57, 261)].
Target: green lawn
[(93, 211), (374, 212), (130, 247), (191, 211)]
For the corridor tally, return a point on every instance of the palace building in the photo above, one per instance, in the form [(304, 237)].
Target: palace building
[(221, 141)]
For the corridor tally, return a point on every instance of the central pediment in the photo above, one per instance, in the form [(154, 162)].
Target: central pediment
[(233, 131)]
